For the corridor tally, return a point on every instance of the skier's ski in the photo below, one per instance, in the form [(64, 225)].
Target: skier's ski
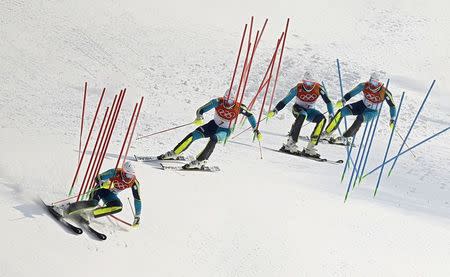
[(87, 226), (61, 219), (155, 158), (205, 168), (334, 141), (304, 155)]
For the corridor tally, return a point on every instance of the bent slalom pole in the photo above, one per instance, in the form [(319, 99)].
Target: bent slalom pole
[(407, 150), (412, 126), (389, 144)]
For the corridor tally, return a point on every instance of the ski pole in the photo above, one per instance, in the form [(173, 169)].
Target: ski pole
[(389, 144), (166, 130), (412, 126), (407, 150), (245, 130), (400, 136), (121, 220), (132, 210)]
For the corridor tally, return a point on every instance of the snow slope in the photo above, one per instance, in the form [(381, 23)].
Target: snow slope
[(279, 216)]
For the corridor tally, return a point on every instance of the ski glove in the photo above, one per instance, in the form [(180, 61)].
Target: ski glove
[(392, 124), (137, 218), (257, 134), (340, 103), (272, 113), (198, 121)]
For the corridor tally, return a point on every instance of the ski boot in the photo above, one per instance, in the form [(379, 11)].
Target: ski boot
[(290, 146), (311, 150), (170, 155), (195, 164)]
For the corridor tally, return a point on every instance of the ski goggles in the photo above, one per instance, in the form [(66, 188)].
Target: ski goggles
[(308, 83)]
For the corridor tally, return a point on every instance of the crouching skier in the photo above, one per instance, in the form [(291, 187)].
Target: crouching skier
[(217, 130), (306, 93), (374, 93), (108, 185)]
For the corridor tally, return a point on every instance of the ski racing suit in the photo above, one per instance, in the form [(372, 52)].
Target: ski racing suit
[(304, 108), (109, 184), (365, 110), (218, 129)]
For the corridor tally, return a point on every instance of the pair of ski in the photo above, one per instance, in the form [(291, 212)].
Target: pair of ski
[(171, 164), (334, 141), (71, 227), (306, 156)]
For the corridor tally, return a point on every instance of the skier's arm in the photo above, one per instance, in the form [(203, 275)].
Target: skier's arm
[(390, 100), (354, 92), (137, 198), (208, 106), (105, 176), (327, 101), (292, 93), (251, 119)]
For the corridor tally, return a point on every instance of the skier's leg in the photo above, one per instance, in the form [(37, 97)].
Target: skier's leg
[(350, 132), (204, 155), (300, 114), (112, 205), (336, 120), (359, 109), (187, 141), (320, 120)]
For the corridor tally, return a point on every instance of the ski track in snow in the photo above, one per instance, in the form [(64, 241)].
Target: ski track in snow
[(277, 216)]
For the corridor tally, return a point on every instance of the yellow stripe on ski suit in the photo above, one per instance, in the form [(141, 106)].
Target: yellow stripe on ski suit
[(106, 210), (334, 122), (184, 145), (317, 131)]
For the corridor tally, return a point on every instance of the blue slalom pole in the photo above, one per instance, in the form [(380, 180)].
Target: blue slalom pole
[(357, 158), (342, 89), (370, 134), (373, 135), (412, 125), (407, 150), (389, 144)]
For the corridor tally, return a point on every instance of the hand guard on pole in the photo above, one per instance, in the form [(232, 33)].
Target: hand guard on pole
[(272, 113), (257, 135), (136, 221), (391, 123), (198, 121)]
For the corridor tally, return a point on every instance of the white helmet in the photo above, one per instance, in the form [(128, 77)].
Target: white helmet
[(308, 76), (374, 82), (128, 168), (308, 81)]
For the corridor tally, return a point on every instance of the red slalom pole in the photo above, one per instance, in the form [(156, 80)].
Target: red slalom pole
[(134, 126), (87, 141), (126, 135), (268, 84), (89, 168), (109, 135), (102, 142), (82, 118), (237, 61), (279, 65)]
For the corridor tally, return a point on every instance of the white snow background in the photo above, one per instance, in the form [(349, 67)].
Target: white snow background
[(279, 216)]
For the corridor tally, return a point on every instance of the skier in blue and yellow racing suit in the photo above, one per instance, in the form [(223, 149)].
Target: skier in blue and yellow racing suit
[(217, 130)]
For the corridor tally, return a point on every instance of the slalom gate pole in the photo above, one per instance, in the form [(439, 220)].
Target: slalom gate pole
[(73, 197), (82, 119), (87, 141), (412, 126), (237, 62), (342, 89), (126, 135), (366, 143), (346, 164), (268, 84), (401, 137), (405, 151), (372, 136), (90, 165), (389, 144), (102, 143), (357, 156), (166, 130), (132, 131), (121, 220), (109, 134), (279, 65)]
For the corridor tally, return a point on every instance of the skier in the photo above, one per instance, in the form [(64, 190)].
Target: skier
[(306, 93), (374, 93), (217, 130), (108, 185)]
